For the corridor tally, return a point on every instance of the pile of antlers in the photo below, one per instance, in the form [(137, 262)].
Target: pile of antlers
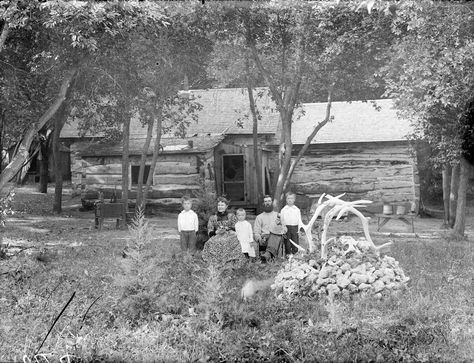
[(338, 207)]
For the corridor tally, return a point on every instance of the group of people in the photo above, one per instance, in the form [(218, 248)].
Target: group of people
[(269, 238)]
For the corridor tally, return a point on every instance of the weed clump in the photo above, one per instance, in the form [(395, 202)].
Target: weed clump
[(138, 300)]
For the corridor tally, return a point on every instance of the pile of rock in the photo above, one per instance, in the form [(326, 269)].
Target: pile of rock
[(351, 267)]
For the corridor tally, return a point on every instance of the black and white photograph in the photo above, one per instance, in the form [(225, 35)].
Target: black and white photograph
[(236, 181)]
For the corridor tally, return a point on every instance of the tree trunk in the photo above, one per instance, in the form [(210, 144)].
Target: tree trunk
[(4, 35), (58, 172), (43, 163), (460, 224), (125, 162), (156, 151), (256, 154), (284, 157), (2, 123), (286, 102), (22, 155), (446, 190), (141, 173), (453, 195)]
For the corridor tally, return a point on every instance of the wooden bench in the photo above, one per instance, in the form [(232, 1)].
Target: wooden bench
[(382, 220), (115, 210)]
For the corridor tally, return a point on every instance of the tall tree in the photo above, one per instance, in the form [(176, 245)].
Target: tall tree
[(255, 118), (140, 77), (430, 75), (322, 46), (178, 52)]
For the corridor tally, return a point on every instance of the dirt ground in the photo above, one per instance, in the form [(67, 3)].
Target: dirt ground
[(34, 223), (34, 226)]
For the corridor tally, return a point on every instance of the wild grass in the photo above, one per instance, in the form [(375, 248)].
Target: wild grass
[(133, 304)]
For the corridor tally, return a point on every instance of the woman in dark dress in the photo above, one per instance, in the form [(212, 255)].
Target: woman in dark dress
[(223, 245), (223, 220)]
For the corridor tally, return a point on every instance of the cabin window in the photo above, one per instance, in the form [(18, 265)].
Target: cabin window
[(136, 170), (234, 177)]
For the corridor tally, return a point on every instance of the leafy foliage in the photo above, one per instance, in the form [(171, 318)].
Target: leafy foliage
[(206, 204), (430, 71), (6, 207), (303, 52)]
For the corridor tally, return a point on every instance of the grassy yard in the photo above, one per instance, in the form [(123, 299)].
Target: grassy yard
[(148, 302)]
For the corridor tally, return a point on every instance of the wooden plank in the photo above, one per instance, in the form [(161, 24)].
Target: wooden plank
[(190, 159), (104, 169), (326, 187), (165, 205), (90, 161), (184, 179), (250, 177), (353, 163), (331, 151), (106, 179), (398, 184), (175, 168), (173, 191)]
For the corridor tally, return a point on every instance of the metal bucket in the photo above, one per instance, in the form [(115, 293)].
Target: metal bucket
[(401, 210), (387, 209)]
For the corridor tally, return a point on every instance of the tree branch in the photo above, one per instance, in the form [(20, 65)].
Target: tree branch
[(300, 57), (266, 75), (311, 136), (23, 149)]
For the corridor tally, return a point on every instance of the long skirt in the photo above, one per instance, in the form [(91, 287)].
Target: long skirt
[(222, 248)]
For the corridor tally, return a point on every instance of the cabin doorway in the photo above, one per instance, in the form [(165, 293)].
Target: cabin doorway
[(233, 178)]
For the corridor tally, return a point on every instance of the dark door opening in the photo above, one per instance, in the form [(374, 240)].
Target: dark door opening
[(136, 171), (233, 167)]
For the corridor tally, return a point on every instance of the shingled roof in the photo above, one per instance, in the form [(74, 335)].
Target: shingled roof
[(224, 111), (353, 122), (170, 145)]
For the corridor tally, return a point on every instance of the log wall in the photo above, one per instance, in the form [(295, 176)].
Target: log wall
[(175, 175), (381, 172)]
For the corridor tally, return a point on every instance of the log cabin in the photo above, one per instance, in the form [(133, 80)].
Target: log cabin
[(216, 152), (362, 152)]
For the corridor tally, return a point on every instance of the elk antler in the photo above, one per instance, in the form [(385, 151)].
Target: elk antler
[(332, 201), (338, 207)]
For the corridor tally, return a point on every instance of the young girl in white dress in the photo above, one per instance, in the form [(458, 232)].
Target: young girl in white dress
[(244, 233)]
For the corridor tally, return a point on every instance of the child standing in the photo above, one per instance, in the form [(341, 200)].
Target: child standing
[(291, 219), (188, 225), (244, 234)]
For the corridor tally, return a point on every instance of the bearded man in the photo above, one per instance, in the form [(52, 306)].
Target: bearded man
[(268, 230)]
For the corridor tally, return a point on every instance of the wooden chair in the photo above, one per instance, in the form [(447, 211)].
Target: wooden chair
[(114, 210)]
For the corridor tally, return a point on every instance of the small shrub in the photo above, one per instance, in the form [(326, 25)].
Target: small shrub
[(5, 211), (138, 302), (205, 208), (6, 207)]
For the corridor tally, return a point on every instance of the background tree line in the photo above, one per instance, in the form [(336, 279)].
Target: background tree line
[(105, 62)]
